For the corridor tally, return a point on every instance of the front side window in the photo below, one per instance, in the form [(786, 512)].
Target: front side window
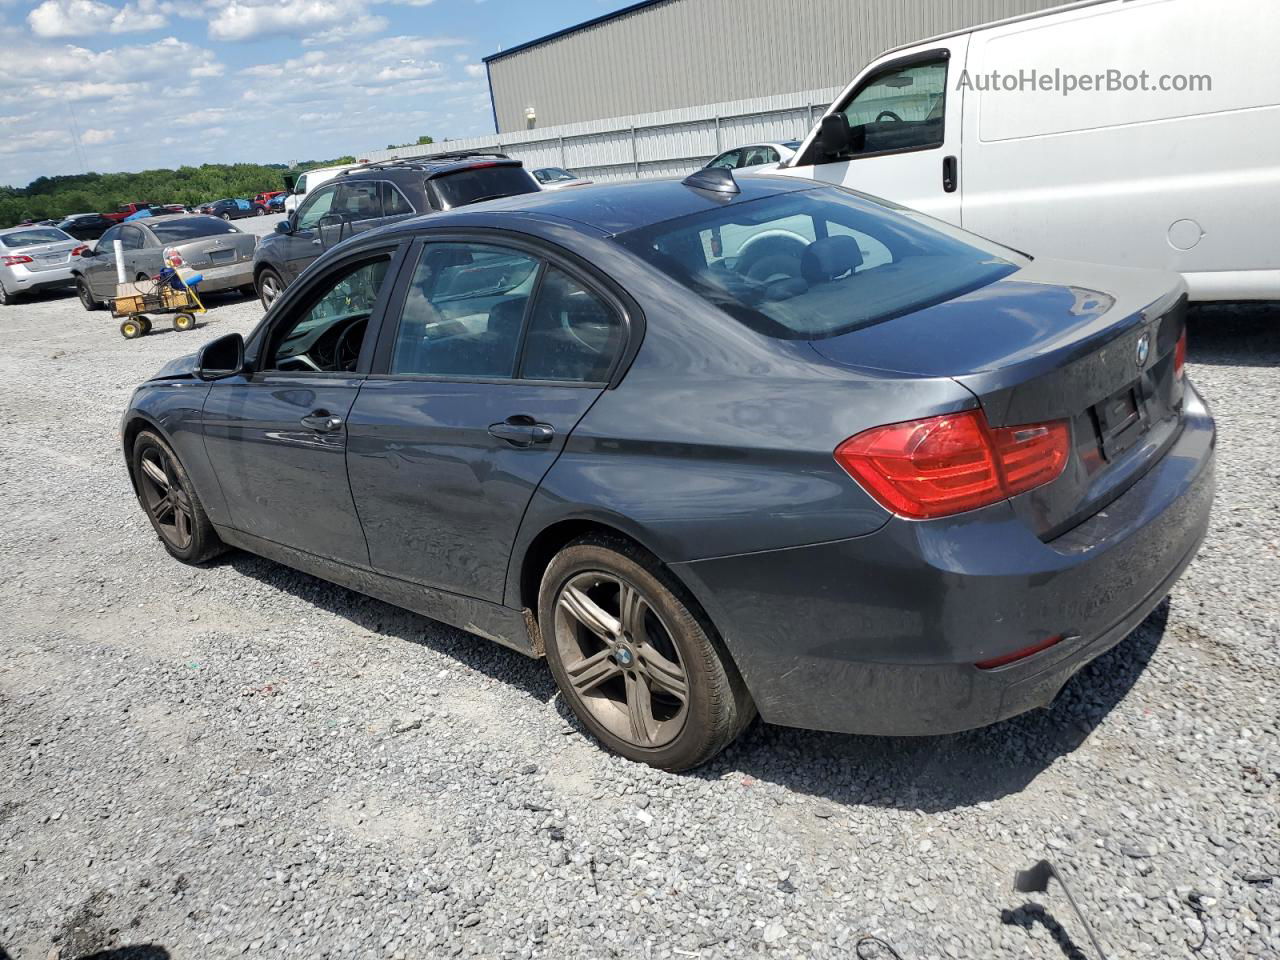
[(818, 263), (464, 311), (728, 160), (107, 239), (900, 108), (317, 206), (326, 333)]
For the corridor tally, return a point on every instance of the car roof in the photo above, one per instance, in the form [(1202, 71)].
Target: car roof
[(416, 166), (4, 231), (614, 208)]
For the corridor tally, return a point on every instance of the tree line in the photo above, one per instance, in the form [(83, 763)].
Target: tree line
[(49, 198)]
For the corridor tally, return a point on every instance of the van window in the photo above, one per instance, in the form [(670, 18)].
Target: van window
[(900, 108)]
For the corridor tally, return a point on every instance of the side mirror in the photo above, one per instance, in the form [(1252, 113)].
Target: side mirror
[(88, 251), (221, 358), (834, 136), (285, 226)]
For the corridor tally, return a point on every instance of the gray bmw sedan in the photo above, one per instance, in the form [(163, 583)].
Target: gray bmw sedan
[(712, 448)]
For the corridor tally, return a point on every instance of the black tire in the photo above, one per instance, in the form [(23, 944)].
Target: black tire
[(677, 732), (200, 542), (146, 325), (87, 299), (131, 328), (260, 212), (226, 216), (269, 287), (183, 322), (6, 298)]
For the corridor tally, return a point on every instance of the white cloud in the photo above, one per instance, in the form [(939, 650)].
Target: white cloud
[(80, 18), (475, 70), (245, 19), (35, 141), (93, 136), (361, 26)]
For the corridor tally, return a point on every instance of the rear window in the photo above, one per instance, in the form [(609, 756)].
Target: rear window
[(482, 183), (189, 228), (820, 263), (31, 238)]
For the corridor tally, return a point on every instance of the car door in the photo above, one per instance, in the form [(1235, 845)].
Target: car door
[(904, 115), (304, 244), (495, 352), (277, 435), (243, 209), (133, 240), (100, 270)]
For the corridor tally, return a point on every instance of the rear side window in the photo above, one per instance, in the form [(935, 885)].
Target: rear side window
[(358, 201), (818, 263), (189, 228), (573, 334), (482, 183), (394, 203)]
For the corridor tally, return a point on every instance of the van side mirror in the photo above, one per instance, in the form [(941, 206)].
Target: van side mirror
[(834, 135), (221, 358)]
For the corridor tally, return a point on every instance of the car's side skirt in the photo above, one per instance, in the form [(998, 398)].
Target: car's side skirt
[(492, 621)]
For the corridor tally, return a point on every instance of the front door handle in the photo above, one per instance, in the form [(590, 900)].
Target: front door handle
[(322, 421), (949, 170), (522, 431)]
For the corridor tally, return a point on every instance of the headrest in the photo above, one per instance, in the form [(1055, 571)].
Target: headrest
[(829, 258)]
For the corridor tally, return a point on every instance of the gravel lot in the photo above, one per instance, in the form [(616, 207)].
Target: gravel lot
[(246, 760)]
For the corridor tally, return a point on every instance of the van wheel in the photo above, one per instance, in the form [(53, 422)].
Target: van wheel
[(637, 665)]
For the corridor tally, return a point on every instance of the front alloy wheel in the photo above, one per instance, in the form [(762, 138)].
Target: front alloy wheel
[(171, 502), (270, 286), (635, 659)]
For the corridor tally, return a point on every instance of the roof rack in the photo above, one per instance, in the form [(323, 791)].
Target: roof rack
[(422, 161)]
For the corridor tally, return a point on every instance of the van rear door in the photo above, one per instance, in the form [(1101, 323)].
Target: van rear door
[(904, 114)]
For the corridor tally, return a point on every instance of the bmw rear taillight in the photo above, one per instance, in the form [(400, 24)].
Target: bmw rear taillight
[(1180, 356), (17, 259), (956, 462)]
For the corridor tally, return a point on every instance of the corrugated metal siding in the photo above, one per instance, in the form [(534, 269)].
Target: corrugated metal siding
[(645, 145), (687, 52)]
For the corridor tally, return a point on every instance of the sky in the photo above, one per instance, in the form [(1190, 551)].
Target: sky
[(92, 85)]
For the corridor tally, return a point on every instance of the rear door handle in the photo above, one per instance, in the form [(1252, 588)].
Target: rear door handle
[(949, 169), (522, 431), (322, 421)]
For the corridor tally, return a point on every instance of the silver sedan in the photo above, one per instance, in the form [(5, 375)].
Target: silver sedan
[(34, 258), (221, 253)]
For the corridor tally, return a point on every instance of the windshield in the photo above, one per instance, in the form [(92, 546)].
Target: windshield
[(553, 175), (189, 228), (31, 238), (818, 263), (482, 183)]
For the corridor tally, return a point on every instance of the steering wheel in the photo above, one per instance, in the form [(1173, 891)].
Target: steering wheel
[(347, 351), (887, 115)]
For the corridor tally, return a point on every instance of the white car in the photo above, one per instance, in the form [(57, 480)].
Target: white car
[(1123, 132), (756, 156), (558, 178)]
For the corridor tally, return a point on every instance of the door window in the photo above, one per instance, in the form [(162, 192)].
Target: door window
[(131, 238), (317, 205), (728, 159), (358, 201), (900, 108), (573, 334), (326, 334), (394, 203), (464, 311), (107, 239)]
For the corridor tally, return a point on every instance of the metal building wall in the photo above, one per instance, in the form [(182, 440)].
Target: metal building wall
[(683, 53)]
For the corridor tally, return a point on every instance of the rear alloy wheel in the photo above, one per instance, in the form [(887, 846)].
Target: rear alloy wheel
[(87, 299), (632, 659), (261, 212), (270, 286), (226, 216), (171, 502)]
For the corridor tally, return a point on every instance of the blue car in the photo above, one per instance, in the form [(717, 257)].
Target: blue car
[(276, 203), (711, 448)]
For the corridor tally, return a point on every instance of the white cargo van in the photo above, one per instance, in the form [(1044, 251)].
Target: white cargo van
[(309, 180), (1131, 132)]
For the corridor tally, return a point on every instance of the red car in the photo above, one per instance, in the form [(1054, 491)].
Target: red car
[(262, 199), (126, 210)]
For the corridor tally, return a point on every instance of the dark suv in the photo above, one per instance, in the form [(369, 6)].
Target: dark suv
[(371, 195)]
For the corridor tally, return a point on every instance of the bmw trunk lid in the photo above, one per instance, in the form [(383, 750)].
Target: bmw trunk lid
[(1093, 346)]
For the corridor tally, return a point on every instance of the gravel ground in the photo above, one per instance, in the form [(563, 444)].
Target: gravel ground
[(245, 760)]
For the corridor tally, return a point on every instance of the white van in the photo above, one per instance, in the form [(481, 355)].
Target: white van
[(311, 179), (1082, 155)]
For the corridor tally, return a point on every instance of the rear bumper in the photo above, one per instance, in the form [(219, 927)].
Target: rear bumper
[(225, 277), (880, 634), (21, 280)]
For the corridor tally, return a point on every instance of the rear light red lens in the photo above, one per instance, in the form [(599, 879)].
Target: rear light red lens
[(949, 464), (1180, 355), (80, 250), (1017, 655), (17, 259)]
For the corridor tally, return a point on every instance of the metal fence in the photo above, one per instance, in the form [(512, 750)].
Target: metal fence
[(646, 145)]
